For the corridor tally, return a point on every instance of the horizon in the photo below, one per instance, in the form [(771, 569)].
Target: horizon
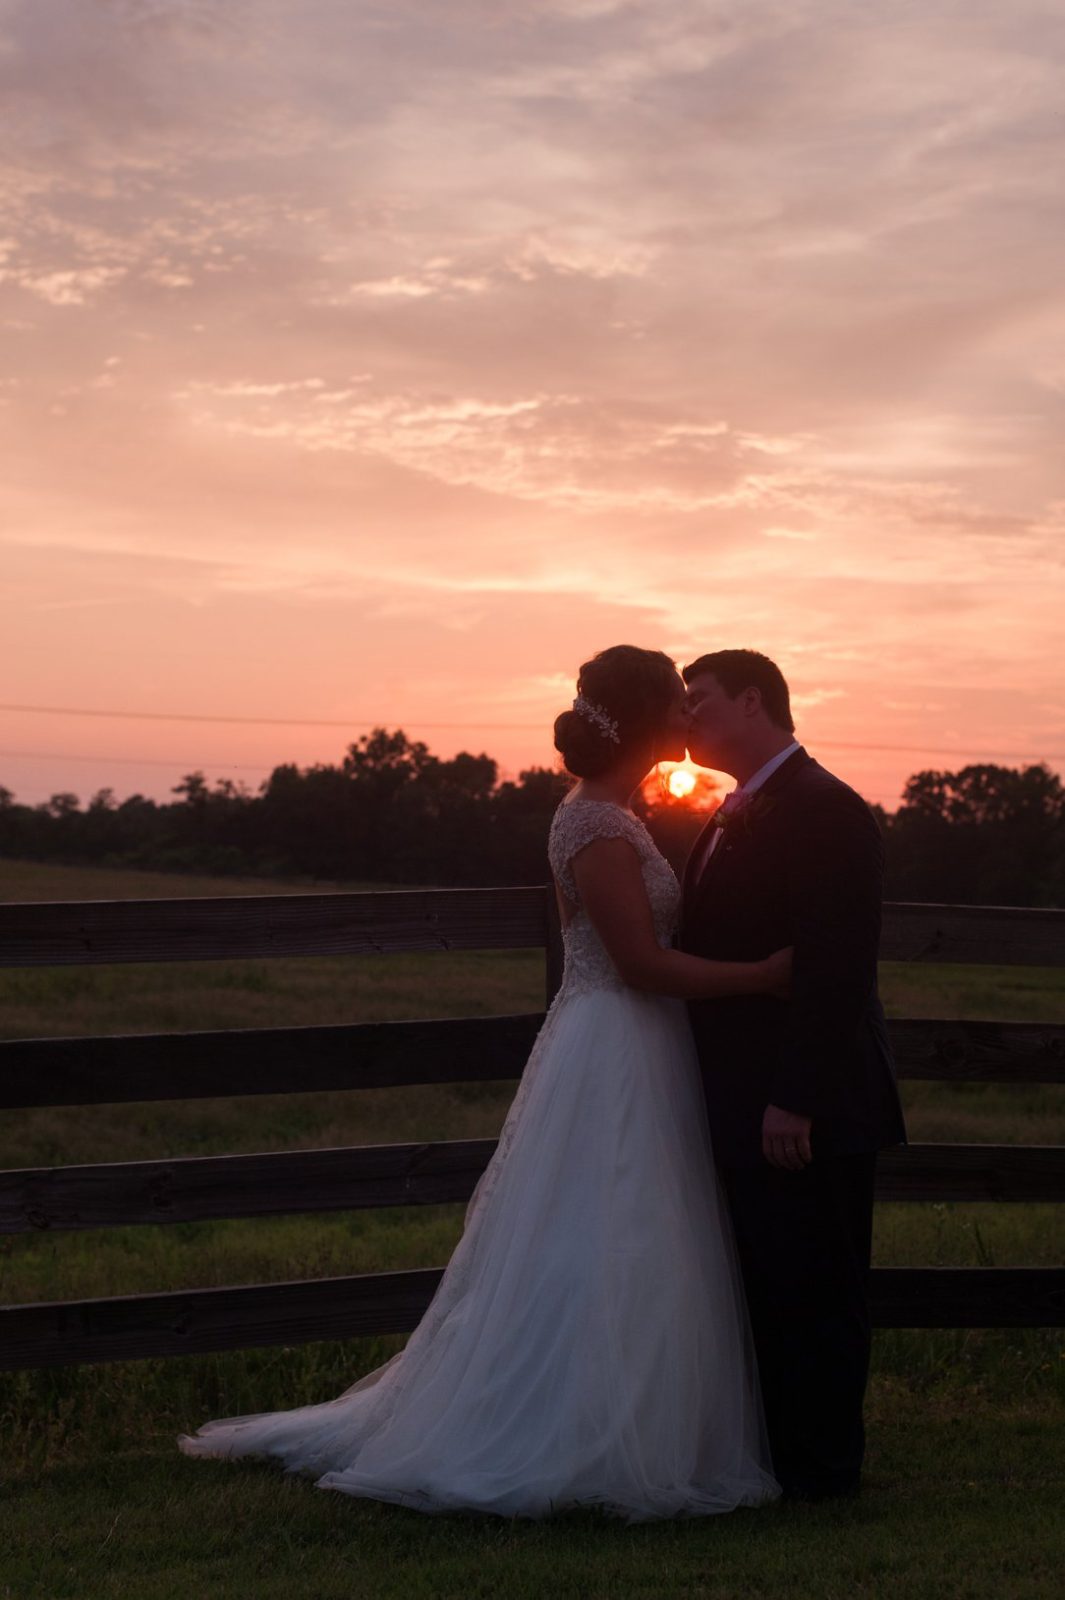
[(704, 785)]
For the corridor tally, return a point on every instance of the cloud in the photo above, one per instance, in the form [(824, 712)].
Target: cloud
[(71, 288)]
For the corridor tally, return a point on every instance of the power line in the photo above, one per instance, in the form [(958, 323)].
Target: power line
[(935, 749), (130, 761), (271, 722), (498, 727)]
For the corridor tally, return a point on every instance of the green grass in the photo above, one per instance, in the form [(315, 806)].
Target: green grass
[(958, 1507), (966, 1462)]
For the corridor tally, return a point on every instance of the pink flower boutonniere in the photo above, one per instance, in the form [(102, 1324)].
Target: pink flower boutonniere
[(730, 817)]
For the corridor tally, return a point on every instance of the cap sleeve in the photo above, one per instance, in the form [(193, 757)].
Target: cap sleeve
[(576, 824)]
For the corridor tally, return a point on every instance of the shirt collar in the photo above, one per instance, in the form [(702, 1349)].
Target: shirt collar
[(758, 778)]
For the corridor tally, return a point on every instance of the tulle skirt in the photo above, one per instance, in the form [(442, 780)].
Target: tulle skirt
[(588, 1343)]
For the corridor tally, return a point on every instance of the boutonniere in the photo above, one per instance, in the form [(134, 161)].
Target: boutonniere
[(730, 818)]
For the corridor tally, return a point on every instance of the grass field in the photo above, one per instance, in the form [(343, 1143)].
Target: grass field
[(966, 1463)]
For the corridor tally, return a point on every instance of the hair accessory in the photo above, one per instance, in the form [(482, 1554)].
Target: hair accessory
[(597, 714)]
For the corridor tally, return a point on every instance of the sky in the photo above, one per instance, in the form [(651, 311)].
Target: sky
[(378, 363)]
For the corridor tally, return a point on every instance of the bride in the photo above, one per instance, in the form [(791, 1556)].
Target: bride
[(588, 1343)]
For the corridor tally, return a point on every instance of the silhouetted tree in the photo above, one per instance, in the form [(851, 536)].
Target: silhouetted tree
[(61, 805), (392, 812), (983, 835)]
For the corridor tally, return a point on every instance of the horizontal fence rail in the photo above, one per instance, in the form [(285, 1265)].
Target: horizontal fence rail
[(116, 1068), (375, 922), (126, 1068), (978, 1052), (1006, 935), (196, 1321), (176, 1066), (382, 922), (196, 1188), (967, 1297)]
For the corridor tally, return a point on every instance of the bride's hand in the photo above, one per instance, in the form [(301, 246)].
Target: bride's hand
[(778, 973)]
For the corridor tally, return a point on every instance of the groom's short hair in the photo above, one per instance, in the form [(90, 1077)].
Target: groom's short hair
[(736, 670)]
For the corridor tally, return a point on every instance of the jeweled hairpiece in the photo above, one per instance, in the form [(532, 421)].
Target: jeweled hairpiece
[(597, 714)]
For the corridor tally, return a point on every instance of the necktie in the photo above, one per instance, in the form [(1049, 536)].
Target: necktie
[(729, 806)]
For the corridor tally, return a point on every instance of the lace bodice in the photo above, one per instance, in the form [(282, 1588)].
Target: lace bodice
[(575, 824)]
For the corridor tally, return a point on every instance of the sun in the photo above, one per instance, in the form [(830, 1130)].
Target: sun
[(680, 783)]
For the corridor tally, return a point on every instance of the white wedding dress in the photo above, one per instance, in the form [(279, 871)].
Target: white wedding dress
[(588, 1342)]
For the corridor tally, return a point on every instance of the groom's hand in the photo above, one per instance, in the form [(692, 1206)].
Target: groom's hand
[(786, 1139)]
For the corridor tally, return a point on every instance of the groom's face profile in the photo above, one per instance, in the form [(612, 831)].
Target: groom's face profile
[(718, 725)]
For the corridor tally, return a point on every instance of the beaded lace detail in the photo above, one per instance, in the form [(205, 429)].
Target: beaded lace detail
[(575, 824)]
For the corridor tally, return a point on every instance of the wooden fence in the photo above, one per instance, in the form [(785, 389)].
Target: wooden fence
[(93, 1071)]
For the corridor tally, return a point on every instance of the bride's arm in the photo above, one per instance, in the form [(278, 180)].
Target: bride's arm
[(612, 890)]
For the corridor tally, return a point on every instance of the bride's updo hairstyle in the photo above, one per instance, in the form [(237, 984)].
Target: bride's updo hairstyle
[(627, 694)]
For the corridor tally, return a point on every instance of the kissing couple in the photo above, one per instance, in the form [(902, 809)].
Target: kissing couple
[(658, 1305)]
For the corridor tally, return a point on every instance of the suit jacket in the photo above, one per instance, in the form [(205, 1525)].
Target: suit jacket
[(801, 865)]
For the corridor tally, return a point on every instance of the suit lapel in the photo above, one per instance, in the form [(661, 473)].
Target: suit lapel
[(693, 892), (695, 854)]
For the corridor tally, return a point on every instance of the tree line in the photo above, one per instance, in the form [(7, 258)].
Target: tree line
[(391, 812)]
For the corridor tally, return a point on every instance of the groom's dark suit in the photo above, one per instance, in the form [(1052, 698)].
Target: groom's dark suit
[(801, 864)]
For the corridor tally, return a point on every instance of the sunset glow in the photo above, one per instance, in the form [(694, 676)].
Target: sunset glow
[(378, 365), (681, 783)]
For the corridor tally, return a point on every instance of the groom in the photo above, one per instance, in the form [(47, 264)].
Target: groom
[(800, 1094)]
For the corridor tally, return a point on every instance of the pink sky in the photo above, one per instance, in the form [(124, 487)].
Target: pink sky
[(378, 363)]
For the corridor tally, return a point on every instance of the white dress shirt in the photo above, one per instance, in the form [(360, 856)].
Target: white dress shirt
[(740, 796)]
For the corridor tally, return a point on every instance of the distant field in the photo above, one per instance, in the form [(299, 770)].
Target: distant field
[(46, 880), (966, 1456)]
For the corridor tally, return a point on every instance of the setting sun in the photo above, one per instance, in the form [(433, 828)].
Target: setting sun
[(681, 783)]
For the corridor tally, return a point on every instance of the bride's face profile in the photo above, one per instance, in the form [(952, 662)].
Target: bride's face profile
[(672, 741)]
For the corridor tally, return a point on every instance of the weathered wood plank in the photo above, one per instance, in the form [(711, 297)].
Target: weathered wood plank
[(192, 1189), (979, 1052), (112, 1069), (972, 1172), (116, 1068), (1006, 935), (967, 1297), (59, 933), (190, 1322), (195, 1321)]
